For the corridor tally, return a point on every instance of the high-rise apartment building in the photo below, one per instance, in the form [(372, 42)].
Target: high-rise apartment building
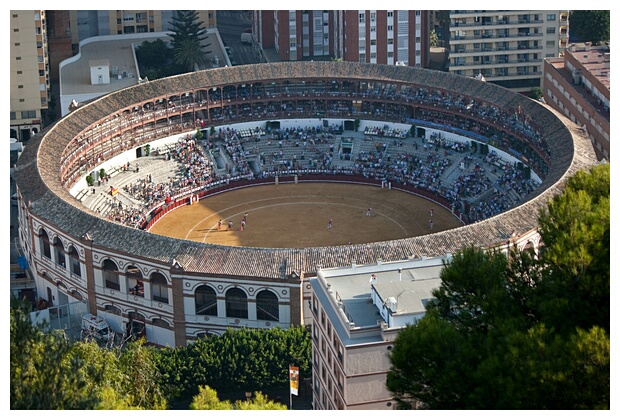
[(29, 68), (88, 23), (577, 85), (367, 36), (506, 47)]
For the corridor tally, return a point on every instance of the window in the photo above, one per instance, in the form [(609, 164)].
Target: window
[(390, 27), (135, 283), (551, 16), (236, 304), (29, 114), (267, 307), (18, 58), (362, 18), (13, 115), (74, 262), (110, 275), (20, 86), (551, 30), (112, 309), (159, 288), (206, 301), (17, 44), (390, 14), (158, 322), (60, 253), (550, 44), (323, 318), (45, 244)]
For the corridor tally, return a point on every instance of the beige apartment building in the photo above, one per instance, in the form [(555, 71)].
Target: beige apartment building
[(29, 69), (87, 23), (577, 85), (357, 313), (506, 47)]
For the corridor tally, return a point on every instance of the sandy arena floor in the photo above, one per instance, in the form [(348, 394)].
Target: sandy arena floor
[(297, 215)]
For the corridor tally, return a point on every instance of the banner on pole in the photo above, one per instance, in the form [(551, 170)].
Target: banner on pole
[(294, 379)]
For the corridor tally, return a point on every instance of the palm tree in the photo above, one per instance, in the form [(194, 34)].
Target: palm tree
[(189, 54)]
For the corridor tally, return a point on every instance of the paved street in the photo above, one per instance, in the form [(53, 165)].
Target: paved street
[(230, 24)]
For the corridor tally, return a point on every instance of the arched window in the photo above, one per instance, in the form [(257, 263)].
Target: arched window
[(45, 244), (236, 304), (267, 307), (206, 301), (135, 283), (136, 325), (60, 252), (74, 261), (158, 322), (110, 275), (159, 288), (112, 309)]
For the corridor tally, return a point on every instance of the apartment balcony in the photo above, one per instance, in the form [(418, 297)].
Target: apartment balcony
[(496, 64), (464, 52), (485, 25), (494, 38)]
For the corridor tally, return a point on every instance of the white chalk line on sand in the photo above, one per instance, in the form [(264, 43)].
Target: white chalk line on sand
[(289, 203)]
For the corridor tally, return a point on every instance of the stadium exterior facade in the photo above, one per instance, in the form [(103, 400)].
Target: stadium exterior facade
[(192, 289)]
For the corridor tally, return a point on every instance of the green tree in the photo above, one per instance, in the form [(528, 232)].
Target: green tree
[(576, 231), (259, 402), (434, 39), (45, 375), (188, 35), (536, 93), (590, 26), (257, 359), (524, 332), (207, 399), (156, 60)]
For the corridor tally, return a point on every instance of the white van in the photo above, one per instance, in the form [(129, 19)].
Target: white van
[(95, 326), (246, 38)]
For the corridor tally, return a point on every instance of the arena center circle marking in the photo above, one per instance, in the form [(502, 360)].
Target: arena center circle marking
[(288, 219)]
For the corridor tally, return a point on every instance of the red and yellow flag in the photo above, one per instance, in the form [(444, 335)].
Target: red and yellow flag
[(293, 373)]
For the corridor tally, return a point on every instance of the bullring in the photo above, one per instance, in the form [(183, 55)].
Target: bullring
[(104, 256)]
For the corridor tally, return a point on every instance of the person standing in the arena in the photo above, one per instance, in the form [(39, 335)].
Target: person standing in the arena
[(329, 224), (230, 225), (219, 225), (430, 224), (368, 211), (431, 213)]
